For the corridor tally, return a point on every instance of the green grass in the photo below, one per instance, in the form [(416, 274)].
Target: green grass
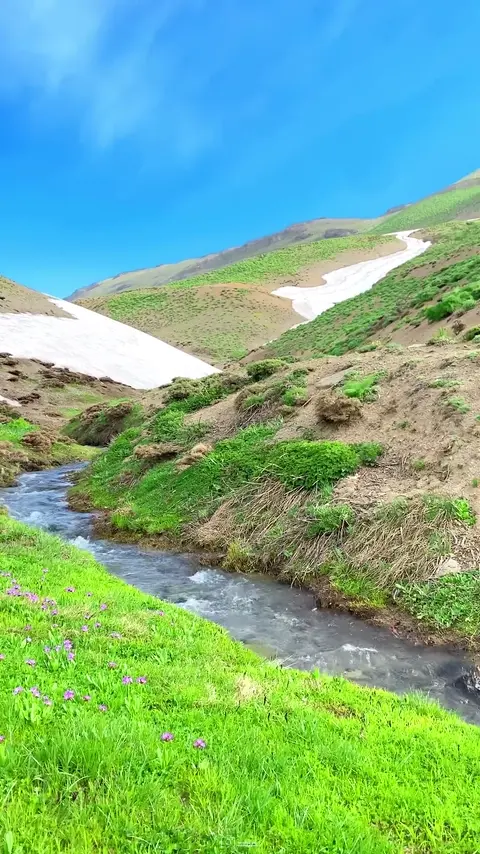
[(294, 762), (14, 430), (163, 499), (350, 324), (363, 388), (459, 404), (436, 209), (456, 300), (449, 603)]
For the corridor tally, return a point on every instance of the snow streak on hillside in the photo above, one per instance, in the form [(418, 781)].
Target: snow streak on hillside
[(96, 345), (350, 281)]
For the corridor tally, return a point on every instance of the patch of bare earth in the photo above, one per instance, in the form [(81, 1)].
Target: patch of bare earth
[(50, 396), (16, 299), (312, 276)]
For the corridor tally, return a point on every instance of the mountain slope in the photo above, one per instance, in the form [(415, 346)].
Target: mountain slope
[(460, 201), (221, 315), (85, 341), (461, 205), (154, 277)]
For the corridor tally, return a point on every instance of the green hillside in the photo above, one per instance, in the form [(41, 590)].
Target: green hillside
[(154, 731), (350, 324), (456, 203)]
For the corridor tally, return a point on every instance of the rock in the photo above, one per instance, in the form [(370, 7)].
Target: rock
[(449, 566), (197, 453), (156, 452), (332, 380), (336, 409), (469, 683)]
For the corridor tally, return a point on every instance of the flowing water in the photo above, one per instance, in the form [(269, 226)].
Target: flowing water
[(277, 621)]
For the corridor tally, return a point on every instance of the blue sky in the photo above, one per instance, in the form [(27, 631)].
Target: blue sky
[(140, 132)]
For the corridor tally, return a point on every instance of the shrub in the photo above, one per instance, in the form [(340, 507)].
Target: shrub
[(328, 518), (459, 404), (265, 368), (313, 464), (252, 402), (295, 396), (442, 509), (472, 333), (362, 388), (441, 337)]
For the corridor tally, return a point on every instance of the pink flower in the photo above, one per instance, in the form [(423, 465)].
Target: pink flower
[(2, 738), (84, 628), (47, 701), (127, 680), (69, 695), (103, 607), (67, 644), (35, 692), (103, 708), (71, 656), (112, 664), (200, 744), (167, 736), (31, 662), (87, 698), (17, 690), (142, 680), (2, 657)]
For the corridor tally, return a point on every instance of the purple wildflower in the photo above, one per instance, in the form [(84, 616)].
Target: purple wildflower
[(67, 644), (69, 695), (84, 628), (31, 662), (71, 656), (54, 614), (112, 664), (2, 657), (127, 680), (200, 744), (167, 736), (97, 625), (17, 690), (47, 649), (103, 607), (142, 680), (103, 708), (87, 698), (47, 701), (70, 589), (35, 692), (2, 738)]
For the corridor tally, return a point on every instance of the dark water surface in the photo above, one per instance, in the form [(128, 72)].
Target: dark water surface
[(276, 620)]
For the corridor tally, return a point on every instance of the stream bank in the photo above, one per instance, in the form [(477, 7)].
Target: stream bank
[(278, 621)]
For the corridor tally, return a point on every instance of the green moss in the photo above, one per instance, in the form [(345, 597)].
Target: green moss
[(328, 518), (363, 388)]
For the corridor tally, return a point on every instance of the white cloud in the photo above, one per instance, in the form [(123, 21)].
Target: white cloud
[(105, 64)]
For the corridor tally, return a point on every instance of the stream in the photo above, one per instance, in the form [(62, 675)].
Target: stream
[(277, 621)]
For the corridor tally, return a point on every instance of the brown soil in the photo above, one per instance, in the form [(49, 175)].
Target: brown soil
[(50, 396), (16, 299), (312, 276)]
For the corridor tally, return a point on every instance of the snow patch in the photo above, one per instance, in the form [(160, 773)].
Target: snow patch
[(10, 402), (350, 281), (98, 346)]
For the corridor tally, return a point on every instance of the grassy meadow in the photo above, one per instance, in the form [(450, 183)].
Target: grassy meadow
[(130, 725)]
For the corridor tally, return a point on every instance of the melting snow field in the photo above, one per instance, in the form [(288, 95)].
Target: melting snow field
[(350, 281), (92, 344)]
